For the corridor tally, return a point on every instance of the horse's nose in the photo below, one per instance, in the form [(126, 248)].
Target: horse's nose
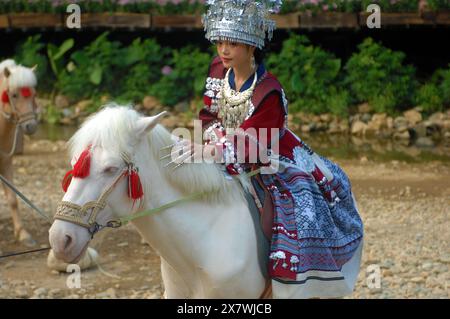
[(30, 128), (67, 241)]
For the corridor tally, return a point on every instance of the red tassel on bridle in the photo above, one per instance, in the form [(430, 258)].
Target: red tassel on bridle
[(5, 97), (135, 190), (66, 180), (81, 168), (25, 91)]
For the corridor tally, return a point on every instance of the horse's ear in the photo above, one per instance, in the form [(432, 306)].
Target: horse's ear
[(146, 124), (33, 69), (6, 72)]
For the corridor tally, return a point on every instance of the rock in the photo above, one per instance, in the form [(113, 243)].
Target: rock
[(122, 244), (437, 118), (402, 135), (412, 116), (445, 259), (390, 123), (82, 106), (417, 280), (62, 102), (358, 128), (325, 117), (40, 292), (109, 293), (427, 266), (170, 122), (151, 103), (364, 108), (419, 130), (305, 128), (366, 117), (21, 293), (181, 107), (400, 122), (42, 103), (67, 112), (55, 293), (424, 142), (363, 159)]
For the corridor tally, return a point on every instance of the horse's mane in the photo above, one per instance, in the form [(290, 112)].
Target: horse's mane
[(21, 76), (113, 129), (195, 177)]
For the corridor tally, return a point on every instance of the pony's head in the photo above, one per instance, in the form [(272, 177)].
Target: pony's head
[(104, 183), (17, 90)]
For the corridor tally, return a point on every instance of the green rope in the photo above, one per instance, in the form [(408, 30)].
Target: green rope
[(125, 220)]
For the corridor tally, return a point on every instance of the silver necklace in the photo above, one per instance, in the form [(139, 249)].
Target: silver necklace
[(233, 105)]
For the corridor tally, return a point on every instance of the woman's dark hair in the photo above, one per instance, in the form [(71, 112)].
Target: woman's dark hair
[(261, 53)]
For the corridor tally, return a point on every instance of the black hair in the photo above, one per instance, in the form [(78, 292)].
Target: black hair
[(259, 55)]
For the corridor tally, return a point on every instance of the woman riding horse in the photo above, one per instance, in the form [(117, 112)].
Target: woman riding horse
[(316, 233)]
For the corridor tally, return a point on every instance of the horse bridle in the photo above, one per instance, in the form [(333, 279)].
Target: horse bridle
[(14, 116), (76, 214)]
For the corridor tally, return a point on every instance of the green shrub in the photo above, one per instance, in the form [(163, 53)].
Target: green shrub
[(434, 95), (438, 4), (310, 76), (428, 98), (377, 75), (30, 53), (145, 60), (93, 69), (186, 80)]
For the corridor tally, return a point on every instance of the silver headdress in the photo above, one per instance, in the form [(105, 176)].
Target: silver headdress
[(244, 21)]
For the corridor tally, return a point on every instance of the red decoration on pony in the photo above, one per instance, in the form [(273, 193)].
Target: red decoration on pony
[(25, 91), (81, 168), (5, 97), (135, 190)]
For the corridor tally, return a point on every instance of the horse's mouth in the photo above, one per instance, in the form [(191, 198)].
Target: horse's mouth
[(77, 259)]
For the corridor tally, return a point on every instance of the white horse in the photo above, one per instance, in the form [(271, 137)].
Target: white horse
[(208, 246)]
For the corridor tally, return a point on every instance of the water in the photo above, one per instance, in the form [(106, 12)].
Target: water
[(334, 146)]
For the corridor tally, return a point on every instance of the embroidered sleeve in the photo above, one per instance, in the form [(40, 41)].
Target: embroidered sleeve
[(254, 136)]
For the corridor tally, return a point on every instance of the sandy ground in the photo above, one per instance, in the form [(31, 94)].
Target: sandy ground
[(405, 209)]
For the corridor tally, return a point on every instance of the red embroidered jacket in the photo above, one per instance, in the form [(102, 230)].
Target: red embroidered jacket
[(269, 110)]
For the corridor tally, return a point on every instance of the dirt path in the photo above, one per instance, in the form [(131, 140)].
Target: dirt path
[(405, 209)]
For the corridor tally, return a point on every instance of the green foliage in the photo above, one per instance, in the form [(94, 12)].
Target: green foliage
[(93, 69), (438, 4), (145, 61), (189, 67), (377, 75), (55, 56), (434, 95), (310, 76), (52, 114), (29, 53)]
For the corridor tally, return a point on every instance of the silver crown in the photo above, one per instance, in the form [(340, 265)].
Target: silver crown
[(244, 21)]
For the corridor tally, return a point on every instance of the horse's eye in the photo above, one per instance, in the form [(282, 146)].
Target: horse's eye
[(110, 170)]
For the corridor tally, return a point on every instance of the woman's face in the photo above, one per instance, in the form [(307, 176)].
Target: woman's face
[(234, 54)]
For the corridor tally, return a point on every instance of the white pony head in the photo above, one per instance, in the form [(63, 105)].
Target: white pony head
[(17, 90), (107, 152)]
